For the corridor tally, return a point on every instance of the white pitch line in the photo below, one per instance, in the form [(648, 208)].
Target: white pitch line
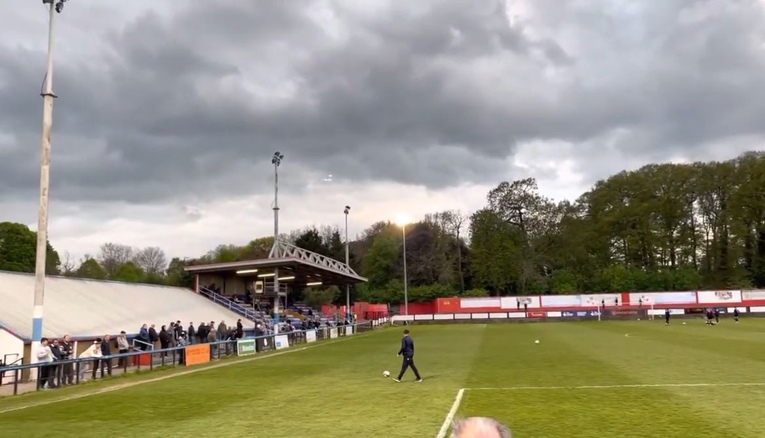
[(450, 416), (458, 399), (179, 374), (636, 386)]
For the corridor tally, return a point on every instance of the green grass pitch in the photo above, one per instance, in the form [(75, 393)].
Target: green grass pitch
[(584, 379)]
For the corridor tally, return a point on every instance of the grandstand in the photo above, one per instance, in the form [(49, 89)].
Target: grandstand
[(87, 309)]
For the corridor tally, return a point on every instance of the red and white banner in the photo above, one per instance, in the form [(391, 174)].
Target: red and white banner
[(600, 299), (480, 303), (519, 302), (648, 298), (561, 301), (753, 295), (719, 297)]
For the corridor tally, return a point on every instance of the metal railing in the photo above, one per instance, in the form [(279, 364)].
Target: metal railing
[(8, 361), (73, 371), (137, 344), (227, 303)]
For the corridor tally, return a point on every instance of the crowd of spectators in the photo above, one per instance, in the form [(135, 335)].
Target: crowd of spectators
[(57, 370)]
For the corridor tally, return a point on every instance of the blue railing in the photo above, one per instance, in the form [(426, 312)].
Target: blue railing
[(72, 371), (225, 302)]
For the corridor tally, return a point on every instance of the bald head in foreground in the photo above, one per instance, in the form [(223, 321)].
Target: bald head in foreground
[(480, 427)]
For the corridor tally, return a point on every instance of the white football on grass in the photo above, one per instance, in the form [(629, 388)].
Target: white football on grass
[(386, 373)]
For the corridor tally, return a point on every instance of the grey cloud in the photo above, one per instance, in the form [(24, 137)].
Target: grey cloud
[(434, 92)]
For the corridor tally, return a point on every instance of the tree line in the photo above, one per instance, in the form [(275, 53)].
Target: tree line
[(661, 227), (114, 261)]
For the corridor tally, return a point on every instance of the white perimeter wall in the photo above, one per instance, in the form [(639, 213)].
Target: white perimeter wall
[(10, 345)]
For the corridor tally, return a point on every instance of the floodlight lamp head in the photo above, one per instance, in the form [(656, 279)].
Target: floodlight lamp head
[(347, 209), (402, 219), (277, 159), (59, 5)]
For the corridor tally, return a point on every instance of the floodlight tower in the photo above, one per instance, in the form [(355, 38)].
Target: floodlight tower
[(347, 262), (42, 211), (403, 220), (276, 250)]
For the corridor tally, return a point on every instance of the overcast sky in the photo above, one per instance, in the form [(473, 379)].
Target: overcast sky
[(169, 111)]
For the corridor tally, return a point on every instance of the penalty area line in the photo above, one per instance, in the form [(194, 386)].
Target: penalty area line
[(182, 373), (450, 416), (635, 386)]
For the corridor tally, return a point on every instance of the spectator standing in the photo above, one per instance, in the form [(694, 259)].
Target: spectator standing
[(56, 368), (44, 358), (153, 336), (144, 337), (123, 347), (164, 339), (182, 351), (106, 354), (67, 353), (211, 337), (222, 329), (202, 333), (239, 329), (178, 330), (93, 352), (191, 333), (259, 333)]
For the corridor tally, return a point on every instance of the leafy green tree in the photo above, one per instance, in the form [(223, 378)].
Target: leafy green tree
[(222, 254), (496, 256), (428, 293), (257, 249), (380, 262), (113, 255), (317, 297), (475, 293), (564, 281), (336, 247), (311, 240), (18, 246), (90, 268), (129, 272), (176, 275)]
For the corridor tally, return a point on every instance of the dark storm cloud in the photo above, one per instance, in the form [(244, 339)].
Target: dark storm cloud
[(434, 92)]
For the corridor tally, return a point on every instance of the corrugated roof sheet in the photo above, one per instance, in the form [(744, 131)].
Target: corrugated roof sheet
[(91, 308)]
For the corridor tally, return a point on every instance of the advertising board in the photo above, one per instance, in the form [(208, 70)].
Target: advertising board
[(520, 302), (478, 303), (310, 336), (648, 298), (197, 354), (561, 301), (599, 299), (281, 342), (245, 347), (719, 297)]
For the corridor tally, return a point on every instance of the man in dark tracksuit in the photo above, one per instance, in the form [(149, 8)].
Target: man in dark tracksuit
[(407, 350)]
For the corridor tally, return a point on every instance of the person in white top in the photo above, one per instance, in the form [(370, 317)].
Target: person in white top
[(93, 352), (45, 358)]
